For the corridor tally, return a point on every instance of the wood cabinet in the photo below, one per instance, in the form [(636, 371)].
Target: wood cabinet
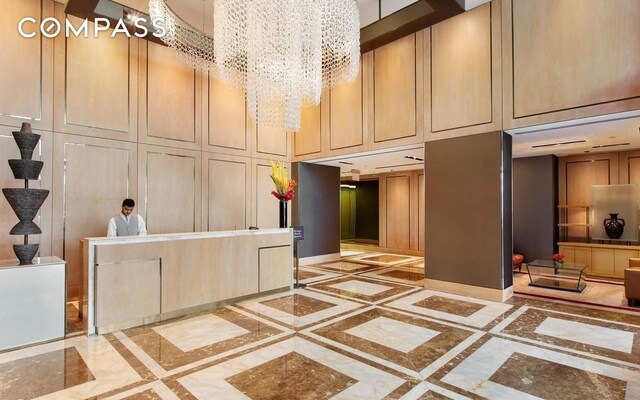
[(602, 260)]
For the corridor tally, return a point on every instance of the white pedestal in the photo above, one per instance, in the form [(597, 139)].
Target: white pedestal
[(33, 301)]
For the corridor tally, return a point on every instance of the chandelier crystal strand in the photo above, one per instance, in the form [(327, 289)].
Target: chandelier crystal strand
[(340, 42), (192, 46), (230, 34), (281, 53)]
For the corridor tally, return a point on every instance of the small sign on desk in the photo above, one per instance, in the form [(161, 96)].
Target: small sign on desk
[(298, 233)]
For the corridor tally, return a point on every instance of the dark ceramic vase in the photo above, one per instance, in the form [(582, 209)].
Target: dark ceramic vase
[(614, 226), (25, 203), (283, 214), (25, 252)]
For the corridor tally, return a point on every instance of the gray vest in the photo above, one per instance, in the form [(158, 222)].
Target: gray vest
[(126, 229)]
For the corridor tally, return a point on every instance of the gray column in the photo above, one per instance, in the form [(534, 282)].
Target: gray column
[(468, 234), (535, 214), (316, 206)]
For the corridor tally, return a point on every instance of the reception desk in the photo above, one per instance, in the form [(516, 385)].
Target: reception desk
[(131, 281)]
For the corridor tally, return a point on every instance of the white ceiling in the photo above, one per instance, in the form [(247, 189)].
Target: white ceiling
[(600, 134), (376, 162)]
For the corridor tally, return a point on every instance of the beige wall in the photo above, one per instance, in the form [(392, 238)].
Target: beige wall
[(125, 118)]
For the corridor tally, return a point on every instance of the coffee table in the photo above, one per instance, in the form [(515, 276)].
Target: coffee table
[(544, 273)]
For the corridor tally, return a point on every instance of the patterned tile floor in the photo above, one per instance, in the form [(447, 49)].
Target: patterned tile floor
[(358, 331)]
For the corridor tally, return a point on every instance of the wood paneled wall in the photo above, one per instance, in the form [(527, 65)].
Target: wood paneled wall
[(569, 59), (576, 175), (505, 64), (122, 117), (384, 106), (26, 71), (401, 205), (466, 73)]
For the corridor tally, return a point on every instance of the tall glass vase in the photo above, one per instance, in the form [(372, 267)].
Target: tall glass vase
[(283, 214)]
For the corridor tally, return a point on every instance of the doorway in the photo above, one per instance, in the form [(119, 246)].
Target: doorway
[(359, 212)]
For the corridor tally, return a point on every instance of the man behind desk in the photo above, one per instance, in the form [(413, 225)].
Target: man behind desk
[(126, 223)]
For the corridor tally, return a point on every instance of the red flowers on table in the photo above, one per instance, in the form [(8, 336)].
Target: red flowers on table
[(558, 260)]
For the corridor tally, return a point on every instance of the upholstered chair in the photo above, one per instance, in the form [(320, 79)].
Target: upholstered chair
[(632, 280), (517, 260)]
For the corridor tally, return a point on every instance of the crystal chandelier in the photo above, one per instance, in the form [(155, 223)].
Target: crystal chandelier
[(281, 53)]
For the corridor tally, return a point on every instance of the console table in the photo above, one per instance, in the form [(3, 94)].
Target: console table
[(544, 273)]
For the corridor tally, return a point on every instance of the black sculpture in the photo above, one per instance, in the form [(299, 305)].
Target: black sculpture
[(26, 202)]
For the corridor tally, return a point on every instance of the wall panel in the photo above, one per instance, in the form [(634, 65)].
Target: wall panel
[(398, 211), (560, 65), (346, 130), (308, 141), (421, 190), (265, 206), (270, 141), (227, 198), (170, 183), (462, 90), (26, 73), (96, 85), (227, 119), (169, 107), (91, 178), (395, 90)]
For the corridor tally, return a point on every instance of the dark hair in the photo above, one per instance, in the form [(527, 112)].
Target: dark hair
[(128, 203)]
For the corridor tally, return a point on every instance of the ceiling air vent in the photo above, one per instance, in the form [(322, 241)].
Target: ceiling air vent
[(600, 146)]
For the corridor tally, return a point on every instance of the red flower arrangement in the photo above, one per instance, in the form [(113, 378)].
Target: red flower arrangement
[(280, 177), (558, 260), (288, 195)]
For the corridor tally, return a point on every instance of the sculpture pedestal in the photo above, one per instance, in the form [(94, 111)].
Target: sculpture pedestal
[(33, 301)]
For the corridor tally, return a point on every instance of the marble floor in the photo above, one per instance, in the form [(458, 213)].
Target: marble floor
[(363, 328)]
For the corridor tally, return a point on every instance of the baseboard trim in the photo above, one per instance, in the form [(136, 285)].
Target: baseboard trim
[(469, 290), (319, 259)]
